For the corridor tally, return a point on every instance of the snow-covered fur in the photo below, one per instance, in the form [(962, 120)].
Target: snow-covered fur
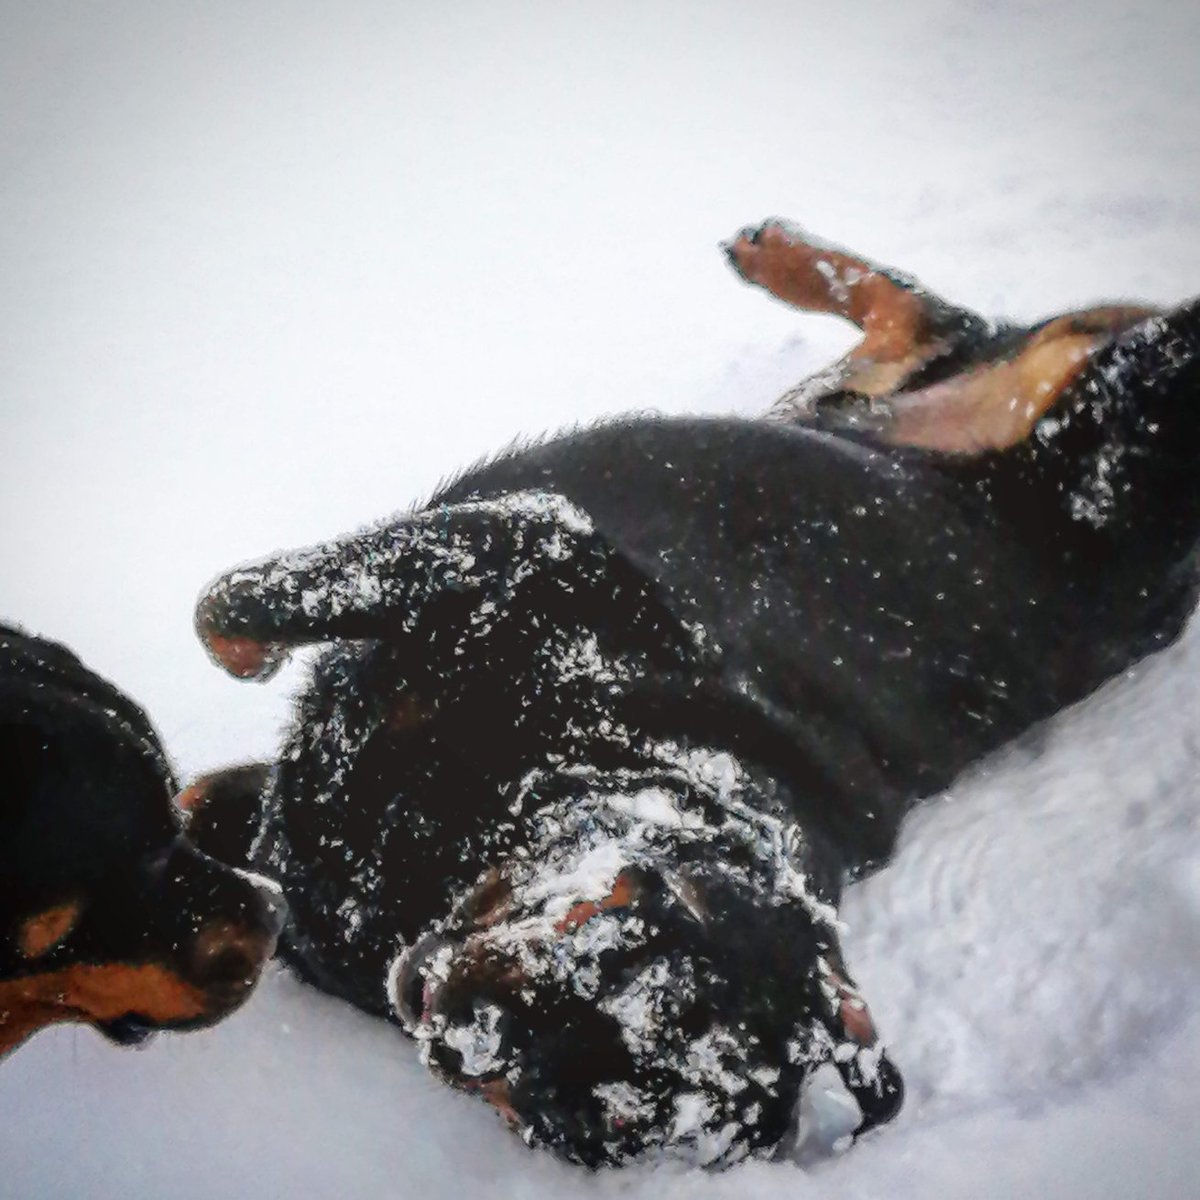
[(606, 725)]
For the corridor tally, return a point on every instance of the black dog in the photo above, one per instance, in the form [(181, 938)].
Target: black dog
[(107, 915), (608, 723)]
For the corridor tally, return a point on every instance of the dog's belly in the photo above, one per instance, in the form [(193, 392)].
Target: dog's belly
[(873, 638), (887, 619)]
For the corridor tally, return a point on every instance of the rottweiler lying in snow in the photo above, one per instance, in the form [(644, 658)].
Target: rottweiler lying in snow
[(107, 915), (603, 728)]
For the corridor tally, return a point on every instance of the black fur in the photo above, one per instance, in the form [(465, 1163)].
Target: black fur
[(87, 823), (728, 655)]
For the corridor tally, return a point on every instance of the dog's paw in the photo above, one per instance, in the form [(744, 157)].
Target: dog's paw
[(759, 252)]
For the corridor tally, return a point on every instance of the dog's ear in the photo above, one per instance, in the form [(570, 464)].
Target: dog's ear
[(793, 953), (223, 811)]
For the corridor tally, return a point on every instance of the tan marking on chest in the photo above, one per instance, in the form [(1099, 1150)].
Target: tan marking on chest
[(408, 712), (622, 896)]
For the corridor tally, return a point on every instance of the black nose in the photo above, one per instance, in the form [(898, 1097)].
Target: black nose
[(227, 954)]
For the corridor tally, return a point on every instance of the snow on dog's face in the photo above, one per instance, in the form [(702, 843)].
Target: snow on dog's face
[(642, 976)]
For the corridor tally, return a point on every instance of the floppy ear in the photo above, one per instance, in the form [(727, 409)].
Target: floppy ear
[(223, 811), (797, 955)]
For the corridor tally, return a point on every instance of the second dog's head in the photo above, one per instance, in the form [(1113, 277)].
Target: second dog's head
[(108, 915)]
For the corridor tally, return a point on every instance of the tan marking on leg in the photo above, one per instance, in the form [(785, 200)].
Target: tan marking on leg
[(856, 1020), (491, 900), (43, 931), (992, 407), (96, 994), (818, 278), (853, 1016), (904, 327), (1106, 318), (866, 377), (499, 1096), (988, 409), (242, 657), (193, 797), (997, 406), (408, 713)]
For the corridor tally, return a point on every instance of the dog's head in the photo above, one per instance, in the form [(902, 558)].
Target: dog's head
[(653, 972), (107, 914)]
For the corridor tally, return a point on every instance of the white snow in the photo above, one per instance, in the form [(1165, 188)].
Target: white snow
[(272, 271)]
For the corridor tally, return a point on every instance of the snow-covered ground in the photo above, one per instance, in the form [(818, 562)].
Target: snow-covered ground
[(269, 271)]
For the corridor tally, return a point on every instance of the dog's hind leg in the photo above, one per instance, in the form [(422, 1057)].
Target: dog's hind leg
[(905, 328)]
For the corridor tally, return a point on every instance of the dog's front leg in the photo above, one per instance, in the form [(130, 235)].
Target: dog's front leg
[(455, 573)]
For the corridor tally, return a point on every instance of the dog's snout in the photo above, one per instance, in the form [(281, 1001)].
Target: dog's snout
[(227, 953), (227, 958)]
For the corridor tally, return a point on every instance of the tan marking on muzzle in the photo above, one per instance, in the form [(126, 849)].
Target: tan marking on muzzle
[(95, 993)]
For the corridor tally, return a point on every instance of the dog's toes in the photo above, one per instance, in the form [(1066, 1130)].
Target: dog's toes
[(243, 657), (740, 250), (755, 250), (238, 651)]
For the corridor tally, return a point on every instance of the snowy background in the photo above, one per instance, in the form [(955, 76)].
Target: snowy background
[(271, 270)]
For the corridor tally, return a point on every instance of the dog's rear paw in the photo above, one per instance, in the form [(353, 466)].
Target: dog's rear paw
[(755, 251)]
